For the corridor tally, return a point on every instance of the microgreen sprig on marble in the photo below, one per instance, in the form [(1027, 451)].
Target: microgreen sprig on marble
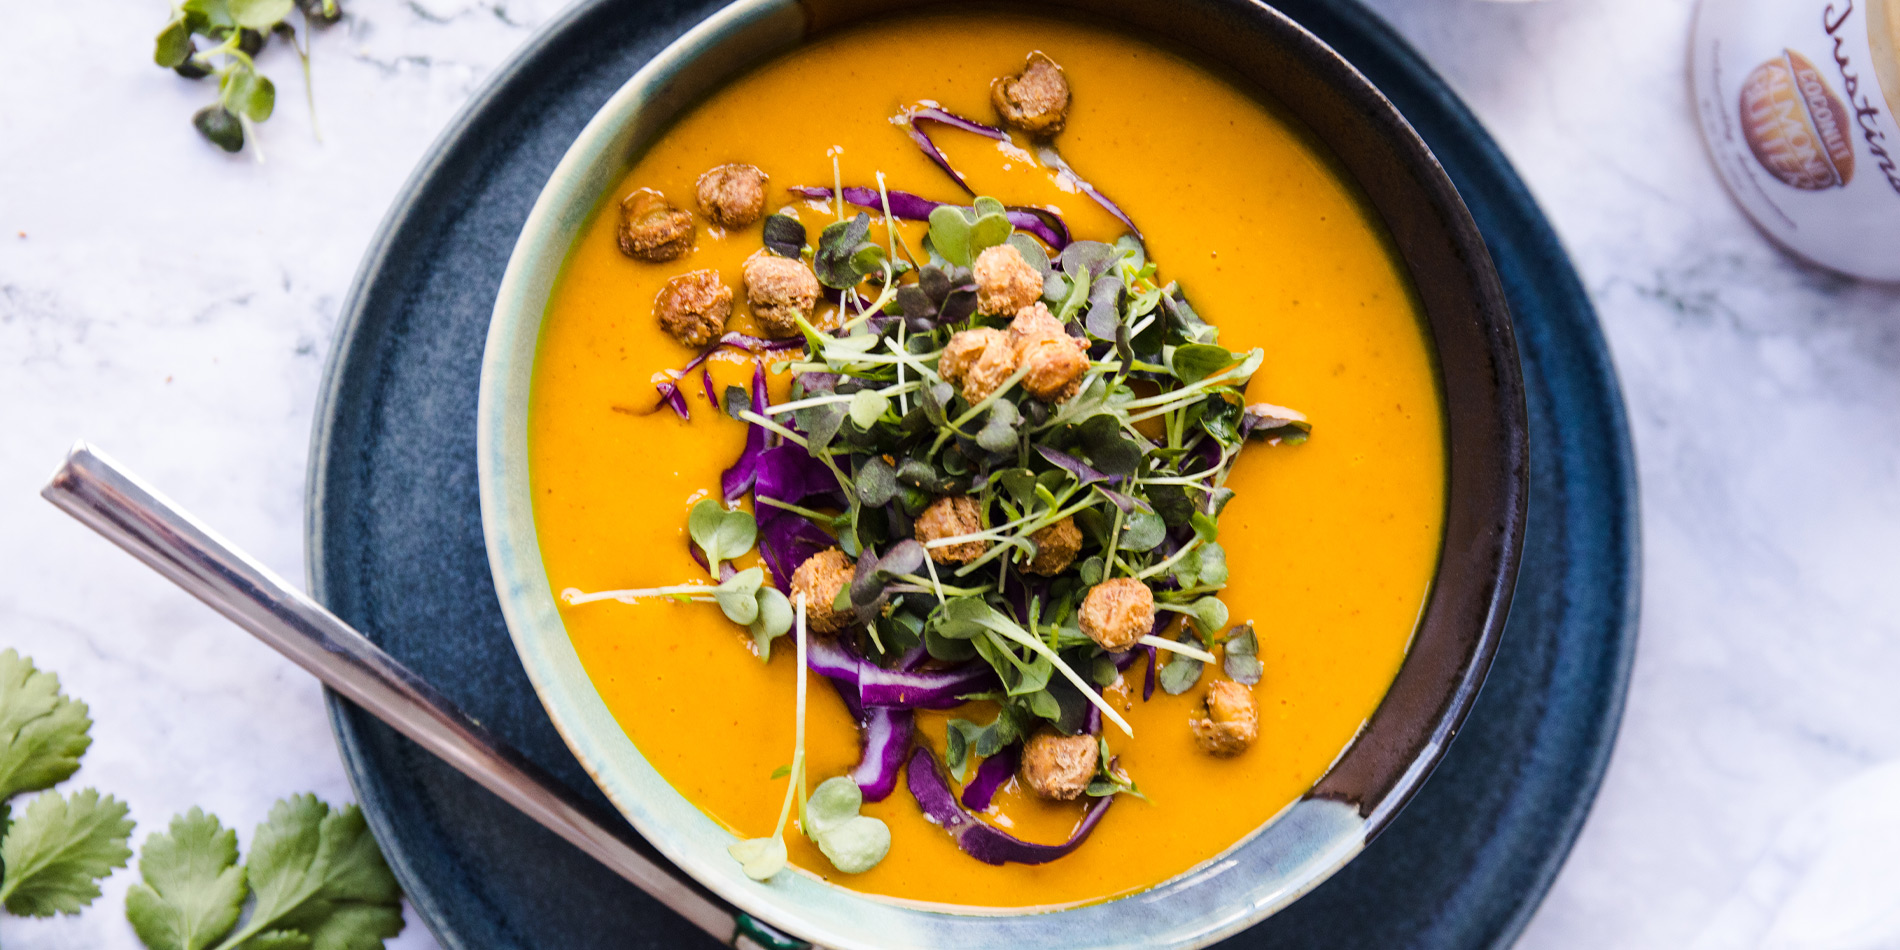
[(235, 31)]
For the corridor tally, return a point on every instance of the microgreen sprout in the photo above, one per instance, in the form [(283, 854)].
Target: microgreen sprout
[(236, 31)]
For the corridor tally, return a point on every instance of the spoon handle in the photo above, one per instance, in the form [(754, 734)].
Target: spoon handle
[(115, 503)]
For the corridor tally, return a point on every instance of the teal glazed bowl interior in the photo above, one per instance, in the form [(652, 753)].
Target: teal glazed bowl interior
[(1468, 326)]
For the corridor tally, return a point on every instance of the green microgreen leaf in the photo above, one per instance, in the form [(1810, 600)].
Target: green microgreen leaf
[(174, 44), (999, 432), (785, 234), (774, 620), (760, 858), (722, 535), (1209, 616), (220, 127), (853, 843), (42, 732), (820, 424), (876, 482), (1141, 531), (1197, 361), (867, 406), (259, 15), (735, 401), (835, 262), (248, 94), (1179, 674), (58, 848), (950, 235), (738, 596), (1241, 657), (959, 736)]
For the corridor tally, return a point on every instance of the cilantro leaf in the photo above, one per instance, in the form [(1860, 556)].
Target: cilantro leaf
[(42, 732), (58, 848), (191, 887), (316, 871)]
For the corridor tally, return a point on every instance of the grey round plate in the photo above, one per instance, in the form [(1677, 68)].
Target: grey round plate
[(395, 540)]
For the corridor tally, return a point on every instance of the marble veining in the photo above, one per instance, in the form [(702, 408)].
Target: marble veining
[(174, 305)]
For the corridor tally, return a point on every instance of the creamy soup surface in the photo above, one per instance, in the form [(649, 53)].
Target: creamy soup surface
[(1332, 544)]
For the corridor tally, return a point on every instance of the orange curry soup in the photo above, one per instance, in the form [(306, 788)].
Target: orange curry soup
[(1332, 544)]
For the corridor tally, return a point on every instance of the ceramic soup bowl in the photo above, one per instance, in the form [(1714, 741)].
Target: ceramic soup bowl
[(1469, 330)]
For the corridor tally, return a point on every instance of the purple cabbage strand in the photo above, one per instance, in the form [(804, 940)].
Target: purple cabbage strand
[(976, 838)]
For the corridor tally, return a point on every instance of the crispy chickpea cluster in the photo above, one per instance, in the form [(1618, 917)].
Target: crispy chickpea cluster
[(948, 517), (1056, 547), (1118, 612), (820, 579), (1056, 361), (651, 229), (1059, 767), (1231, 722), (779, 290), (693, 307), (977, 361), (1034, 101), (733, 196), (1005, 283)]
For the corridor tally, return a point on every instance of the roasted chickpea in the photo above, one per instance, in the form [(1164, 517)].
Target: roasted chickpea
[(1056, 361), (1232, 721), (653, 230), (977, 361), (948, 517), (1056, 547), (1034, 101), (1059, 767), (693, 307), (1005, 283), (1118, 612), (733, 196), (820, 579), (780, 290), (1033, 322)]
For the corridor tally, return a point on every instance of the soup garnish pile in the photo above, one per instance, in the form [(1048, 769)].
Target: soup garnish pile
[(999, 476)]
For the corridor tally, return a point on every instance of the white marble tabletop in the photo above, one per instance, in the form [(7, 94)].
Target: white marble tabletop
[(174, 305)]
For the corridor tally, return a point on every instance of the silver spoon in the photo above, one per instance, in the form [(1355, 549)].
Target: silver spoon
[(115, 503)]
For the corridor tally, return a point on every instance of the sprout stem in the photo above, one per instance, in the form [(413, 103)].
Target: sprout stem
[(1163, 643)]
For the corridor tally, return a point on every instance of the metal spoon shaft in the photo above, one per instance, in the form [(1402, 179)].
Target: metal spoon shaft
[(115, 503)]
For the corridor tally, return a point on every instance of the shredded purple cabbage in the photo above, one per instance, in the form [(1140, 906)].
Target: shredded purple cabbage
[(1050, 157), (789, 474), (927, 111), (886, 733), (744, 473), (873, 687), (978, 839), (991, 775), (669, 388), (1041, 222), (786, 541), (924, 689)]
